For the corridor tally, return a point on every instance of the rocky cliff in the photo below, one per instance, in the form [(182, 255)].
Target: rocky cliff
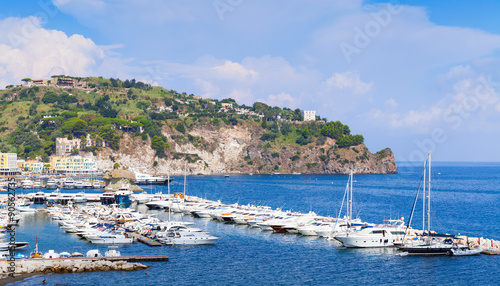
[(237, 150)]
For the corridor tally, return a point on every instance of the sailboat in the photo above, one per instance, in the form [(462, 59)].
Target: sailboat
[(429, 244)]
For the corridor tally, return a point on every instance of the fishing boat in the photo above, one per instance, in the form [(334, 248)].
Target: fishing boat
[(429, 243)]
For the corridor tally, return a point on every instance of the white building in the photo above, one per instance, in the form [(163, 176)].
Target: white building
[(309, 115)]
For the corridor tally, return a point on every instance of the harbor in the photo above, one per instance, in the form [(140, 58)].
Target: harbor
[(235, 201)]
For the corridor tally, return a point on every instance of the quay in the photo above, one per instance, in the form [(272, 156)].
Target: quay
[(135, 258)]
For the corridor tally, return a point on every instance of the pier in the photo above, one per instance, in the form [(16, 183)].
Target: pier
[(135, 258)]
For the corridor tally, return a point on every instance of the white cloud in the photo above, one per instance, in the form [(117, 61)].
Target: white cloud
[(391, 103), (235, 71), (349, 81), (282, 99), (28, 50)]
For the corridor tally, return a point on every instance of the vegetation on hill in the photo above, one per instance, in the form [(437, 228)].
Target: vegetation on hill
[(31, 118)]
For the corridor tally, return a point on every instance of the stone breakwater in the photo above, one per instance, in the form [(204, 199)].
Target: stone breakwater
[(31, 266)]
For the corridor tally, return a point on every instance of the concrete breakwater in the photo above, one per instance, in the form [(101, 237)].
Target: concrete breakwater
[(31, 266)]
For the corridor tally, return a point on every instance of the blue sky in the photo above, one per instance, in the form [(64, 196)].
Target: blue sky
[(410, 75)]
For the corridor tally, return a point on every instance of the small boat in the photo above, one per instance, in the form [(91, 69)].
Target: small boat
[(112, 252), (64, 254), (76, 254), (51, 254), (464, 250), (17, 245), (93, 253)]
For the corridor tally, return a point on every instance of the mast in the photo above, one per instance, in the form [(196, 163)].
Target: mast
[(423, 198), (185, 174), (350, 204), (168, 188), (429, 202)]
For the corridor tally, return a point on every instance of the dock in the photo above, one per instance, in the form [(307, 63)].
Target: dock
[(144, 239)]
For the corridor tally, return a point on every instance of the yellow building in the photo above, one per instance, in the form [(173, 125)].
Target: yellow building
[(30, 165), (72, 164)]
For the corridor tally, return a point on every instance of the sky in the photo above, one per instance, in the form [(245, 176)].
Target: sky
[(414, 76)]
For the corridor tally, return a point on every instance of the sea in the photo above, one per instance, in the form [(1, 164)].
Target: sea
[(465, 200)]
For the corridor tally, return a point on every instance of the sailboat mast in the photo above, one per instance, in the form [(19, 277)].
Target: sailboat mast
[(169, 198), (423, 198), (185, 174), (429, 202), (350, 200)]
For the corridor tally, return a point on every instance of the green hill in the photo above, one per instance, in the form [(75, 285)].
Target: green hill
[(32, 117)]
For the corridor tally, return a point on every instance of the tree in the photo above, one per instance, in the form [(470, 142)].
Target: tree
[(49, 147), (33, 109), (159, 146), (26, 80), (116, 166)]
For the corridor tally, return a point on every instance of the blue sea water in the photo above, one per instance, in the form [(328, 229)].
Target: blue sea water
[(465, 199)]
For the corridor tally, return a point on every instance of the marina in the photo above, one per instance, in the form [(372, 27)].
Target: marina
[(299, 193)]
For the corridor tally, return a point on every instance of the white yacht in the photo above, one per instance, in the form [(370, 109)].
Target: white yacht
[(27, 184), (39, 198), (87, 184), (147, 179), (378, 236), (106, 238), (66, 198), (51, 184), (54, 197), (180, 237), (78, 184), (51, 254), (69, 184), (96, 185), (80, 198), (37, 185)]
